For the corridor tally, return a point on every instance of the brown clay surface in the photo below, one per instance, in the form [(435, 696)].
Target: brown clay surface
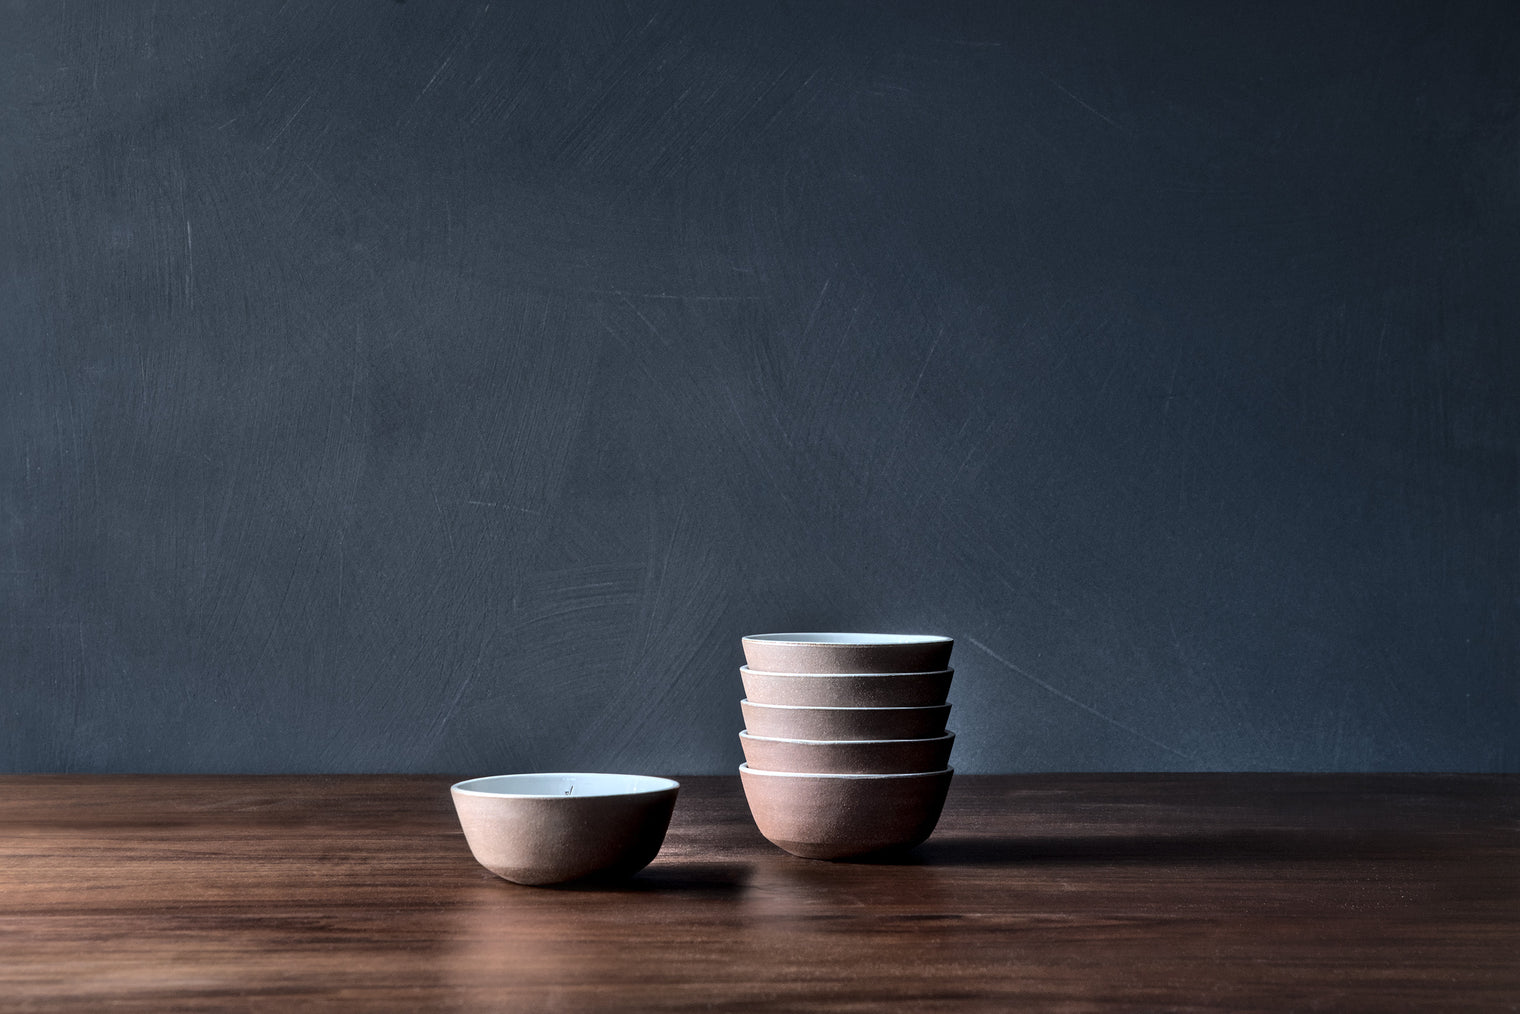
[(844, 723), (897, 690), (548, 841), (839, 816), (890, 756), (820, 657)]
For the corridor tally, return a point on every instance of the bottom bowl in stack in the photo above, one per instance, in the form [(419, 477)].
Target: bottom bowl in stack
[(833, 816)]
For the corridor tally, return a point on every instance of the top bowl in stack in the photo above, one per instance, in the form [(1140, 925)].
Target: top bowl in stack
[(845, 746), (847, 653)]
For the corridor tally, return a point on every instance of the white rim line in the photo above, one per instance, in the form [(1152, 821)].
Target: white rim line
[(835, 707), (638, 785), (746, 769), (745, 734), (855, 640)]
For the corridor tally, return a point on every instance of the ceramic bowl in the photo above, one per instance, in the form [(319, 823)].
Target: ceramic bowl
[(847, 690), (820, 816), (848, 653), (551, 828), (847, 757), (782, 721)]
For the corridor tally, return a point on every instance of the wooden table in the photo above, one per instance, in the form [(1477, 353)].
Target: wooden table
[(1070, 892)]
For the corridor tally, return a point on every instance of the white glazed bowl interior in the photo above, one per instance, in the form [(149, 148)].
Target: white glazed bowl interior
[(552, 785), (866, 639)]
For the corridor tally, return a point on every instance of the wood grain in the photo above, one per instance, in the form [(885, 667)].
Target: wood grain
[(1193, 892)]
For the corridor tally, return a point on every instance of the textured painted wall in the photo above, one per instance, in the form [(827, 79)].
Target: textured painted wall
[(448, 387)]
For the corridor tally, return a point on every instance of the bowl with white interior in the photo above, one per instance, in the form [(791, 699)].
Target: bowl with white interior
[(847, 653), (555, 827)]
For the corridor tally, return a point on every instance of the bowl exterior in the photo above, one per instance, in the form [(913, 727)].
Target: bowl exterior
[(817, 657), (844, 723), (537, 840), (855, 690), (838, 817), (861, 757)]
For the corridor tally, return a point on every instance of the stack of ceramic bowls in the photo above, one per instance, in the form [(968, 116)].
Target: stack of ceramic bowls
[(845, 744)]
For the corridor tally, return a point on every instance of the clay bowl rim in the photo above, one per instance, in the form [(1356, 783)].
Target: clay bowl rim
[(746, 734), (836, 707), (647, 785), (845, 639), (837, 675), (745, 768)]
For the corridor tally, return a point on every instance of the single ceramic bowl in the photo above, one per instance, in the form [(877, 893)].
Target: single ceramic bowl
[(848, 653), (783, 721), (847, 690), (848, 756), (550, 828), (836, 816)]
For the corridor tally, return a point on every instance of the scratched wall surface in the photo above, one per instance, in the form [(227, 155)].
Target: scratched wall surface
[(415, 386)]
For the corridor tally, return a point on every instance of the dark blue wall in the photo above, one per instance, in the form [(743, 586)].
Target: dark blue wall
[(448, 387)]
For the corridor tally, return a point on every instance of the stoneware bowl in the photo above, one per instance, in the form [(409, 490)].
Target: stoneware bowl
[(836, 816), (848, 653), (848, 757), (847, 690), (783, 721), (551, 828)]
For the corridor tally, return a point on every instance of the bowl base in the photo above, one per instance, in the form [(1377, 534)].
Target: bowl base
[(835, 851)]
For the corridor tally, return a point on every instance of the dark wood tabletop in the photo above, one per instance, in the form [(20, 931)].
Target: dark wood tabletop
[(1058, 892)]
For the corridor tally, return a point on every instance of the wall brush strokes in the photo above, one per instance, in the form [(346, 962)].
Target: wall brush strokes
[(449, 386)]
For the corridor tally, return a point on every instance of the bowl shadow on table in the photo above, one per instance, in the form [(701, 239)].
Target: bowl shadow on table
[(667, 877), (1224, 846)]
